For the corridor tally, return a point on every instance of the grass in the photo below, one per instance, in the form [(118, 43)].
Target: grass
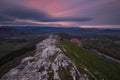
[(65, 73), (106, 46), (12, 53), (50, 73), (98, 65), (6, 47)]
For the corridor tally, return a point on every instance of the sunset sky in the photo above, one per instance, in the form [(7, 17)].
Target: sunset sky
[(83, 13)]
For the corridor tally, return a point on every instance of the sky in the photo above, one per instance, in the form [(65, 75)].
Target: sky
[(81, 13)]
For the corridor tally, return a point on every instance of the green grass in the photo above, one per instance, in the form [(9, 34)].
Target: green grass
[(98, 65), (106, 46), (65, 73), (7, 47)]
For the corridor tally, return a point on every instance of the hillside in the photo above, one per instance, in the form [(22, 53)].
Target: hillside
[(59, 59), (49, 63), (99, 66)]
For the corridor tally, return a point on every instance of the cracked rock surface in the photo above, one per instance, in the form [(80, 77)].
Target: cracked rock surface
[(49, 63)]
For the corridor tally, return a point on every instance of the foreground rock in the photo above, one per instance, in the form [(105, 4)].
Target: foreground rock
[(49, 63)]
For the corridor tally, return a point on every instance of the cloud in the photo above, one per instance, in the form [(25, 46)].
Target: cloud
[(25, 13), (68, 19), (79, 12), (4, 18)]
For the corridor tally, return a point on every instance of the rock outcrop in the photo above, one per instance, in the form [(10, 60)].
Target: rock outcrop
[(49, 63)]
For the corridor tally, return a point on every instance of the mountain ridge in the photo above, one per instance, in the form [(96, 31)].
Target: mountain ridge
[(49, 63)]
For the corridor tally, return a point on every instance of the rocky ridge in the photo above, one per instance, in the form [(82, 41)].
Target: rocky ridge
[(49, 63)]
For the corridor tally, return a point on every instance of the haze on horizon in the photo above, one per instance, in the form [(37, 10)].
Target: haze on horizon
[(84, 13)]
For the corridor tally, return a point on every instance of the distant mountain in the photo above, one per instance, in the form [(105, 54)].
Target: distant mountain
[(83, 32)]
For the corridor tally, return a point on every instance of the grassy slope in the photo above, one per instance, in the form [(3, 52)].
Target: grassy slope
[(12, 53), (106, 46), (6, 48), (99, 66)]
